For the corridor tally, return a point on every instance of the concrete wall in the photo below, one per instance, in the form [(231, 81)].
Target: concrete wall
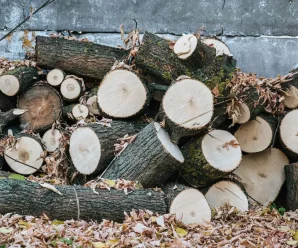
[(260, 33)]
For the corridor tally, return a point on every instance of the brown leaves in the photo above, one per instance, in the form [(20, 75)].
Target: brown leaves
[(6, 65), (215, 91), (124, 142)]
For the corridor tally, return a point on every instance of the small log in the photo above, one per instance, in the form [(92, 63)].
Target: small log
[(150, 159), (92, 102), (43, 105), (256, 135), (55, 77), (291, 97), (7, 102), (7, 117), (220, 47), (91, 147), (76, 202), (227, 192), (71, 90), (75, 112), (122, 94), (210, 157), (188, 204), (81, 58), (291, 171), (18, 80), (51, 139), (187, 107), (27, 156), (262, 174)]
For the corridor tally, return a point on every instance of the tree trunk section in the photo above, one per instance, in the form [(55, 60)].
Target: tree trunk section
[(291, 171), (7, 102), (92, 102), (75, 112), (81, 58)]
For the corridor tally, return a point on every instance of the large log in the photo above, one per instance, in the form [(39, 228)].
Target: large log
[(81, 58), (43, 105), (150, 159), (92, 147), (210, 157), (76, 202), (291, 171)]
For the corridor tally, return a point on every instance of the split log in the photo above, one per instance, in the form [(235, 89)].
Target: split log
[(187, 107), (92, 102), (91, 147), (81, 58), (43, 105), (71, 90), (7, 117), (227, 192), (291, 171), (75, 112), (262, 174), (51, 139), (122, 94), (188, 204), (288, 134), (18, 80), (210, 158), (27, 156), (256, 135), (150, 159), (55, 77), (76, 202), (7, 102)]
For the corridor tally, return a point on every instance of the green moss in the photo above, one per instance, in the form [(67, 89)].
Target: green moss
[(167, 76)]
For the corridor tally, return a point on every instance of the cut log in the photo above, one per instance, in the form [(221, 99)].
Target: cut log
[(7, 102), (188, 204), (81, 58), (76, 202), (187, 108), (71, 90), (210, 158), (92, 102), (18, 80), (27, 156), (55, 77), (7, 117), (43, 105), (256, 135), (75, 112), (227, 192), (262, 174), (51, 139), (91, 147), (291, 97), (288, 134), (122, 94), (220, 47), (291, 171), (150, 159)]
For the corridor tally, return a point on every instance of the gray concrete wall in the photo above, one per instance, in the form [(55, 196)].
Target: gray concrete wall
[(243, 25)]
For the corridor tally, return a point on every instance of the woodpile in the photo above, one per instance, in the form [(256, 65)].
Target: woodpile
[(175, 115)]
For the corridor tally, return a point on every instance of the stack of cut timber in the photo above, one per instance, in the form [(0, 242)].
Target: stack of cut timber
[(167, 117)]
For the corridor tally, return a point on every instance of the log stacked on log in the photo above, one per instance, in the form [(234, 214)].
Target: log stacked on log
[(98, 131)]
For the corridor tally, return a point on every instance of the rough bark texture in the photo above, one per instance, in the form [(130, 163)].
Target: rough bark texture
[(29, 198), (292, 186), (108, 138), (145, 160), (7, 102), (82, 58), (43, 104), (7, 117)]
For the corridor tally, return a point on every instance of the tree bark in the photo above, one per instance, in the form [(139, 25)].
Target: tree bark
[(7, 102), (81, 58), (148, 160), (7, 117), (291, 171), (77, 202)]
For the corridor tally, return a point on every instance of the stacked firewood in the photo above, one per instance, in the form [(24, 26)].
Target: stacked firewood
[(176, 115)]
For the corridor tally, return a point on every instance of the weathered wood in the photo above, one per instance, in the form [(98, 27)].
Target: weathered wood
[(150, 159), (76, 202), (81, 58), (291, 171)]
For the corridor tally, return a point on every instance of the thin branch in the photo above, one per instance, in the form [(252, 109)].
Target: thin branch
[(16, 160)]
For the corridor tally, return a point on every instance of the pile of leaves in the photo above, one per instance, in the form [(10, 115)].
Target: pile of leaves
[(261, 227), (6, 65)]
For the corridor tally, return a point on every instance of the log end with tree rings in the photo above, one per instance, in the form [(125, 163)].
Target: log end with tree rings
[(71, 89), (227, 192), (244, 113), (262, 174), (80, 111), (28, 151), (85, 150), (190, 207), (221, 47), (185, 46), (93, 105), (122, 94), (291, 97), (255, 135), (9, 85), (188, 104), (51, 139), (55, 77)]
